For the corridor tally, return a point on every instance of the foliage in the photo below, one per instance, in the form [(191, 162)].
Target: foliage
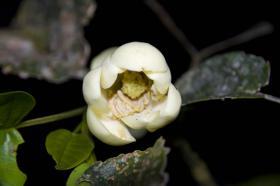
[(68, 149), (136, 168), (10, 175), (231, 75), (79, 171), (47, 44), (43, 47), (14, 106)]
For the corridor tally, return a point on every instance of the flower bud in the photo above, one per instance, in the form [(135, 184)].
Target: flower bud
[(129, 87)]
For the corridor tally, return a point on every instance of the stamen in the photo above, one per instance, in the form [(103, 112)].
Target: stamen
[(130, 94), (122, 106)]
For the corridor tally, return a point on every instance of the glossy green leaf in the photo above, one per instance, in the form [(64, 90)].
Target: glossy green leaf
[(79, 171), (10, 175), (137, 168), (68, 149), (266, 180), (230, 75), (14, 106)]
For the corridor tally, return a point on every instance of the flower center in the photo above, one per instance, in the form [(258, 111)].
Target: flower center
[(130, 94), (134, 84)]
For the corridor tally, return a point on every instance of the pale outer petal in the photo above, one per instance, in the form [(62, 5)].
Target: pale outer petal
[(91, 86), (139, 56), (92, 92), (140, 120), (111, 132), (169, 110), (100, 58), (109, 73), (161, 80)]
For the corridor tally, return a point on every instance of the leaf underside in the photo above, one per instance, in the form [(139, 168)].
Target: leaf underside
[(231, 75), (137, 168), (43, 43)]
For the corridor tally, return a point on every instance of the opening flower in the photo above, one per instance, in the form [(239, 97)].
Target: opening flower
[(129, 87)]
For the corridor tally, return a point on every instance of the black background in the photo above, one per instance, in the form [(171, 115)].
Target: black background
[(237, 139)]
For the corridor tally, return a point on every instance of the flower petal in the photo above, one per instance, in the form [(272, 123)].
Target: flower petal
[(93, 94), (139, 56), (109, 131), (140, 120), (161, 80), (100, 58), (91, 86), (109, 74), (168, 110)]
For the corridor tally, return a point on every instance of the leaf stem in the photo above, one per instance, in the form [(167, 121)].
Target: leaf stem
[(78, 128), (270, 98), (52, 118)]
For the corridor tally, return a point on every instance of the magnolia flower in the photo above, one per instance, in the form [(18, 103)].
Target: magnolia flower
[(129, 87)]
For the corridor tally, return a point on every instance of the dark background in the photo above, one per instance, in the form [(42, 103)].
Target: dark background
[(237, 139)]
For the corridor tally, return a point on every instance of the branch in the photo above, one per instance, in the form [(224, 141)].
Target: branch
[(254, 32), (198, 167), (169, 23)]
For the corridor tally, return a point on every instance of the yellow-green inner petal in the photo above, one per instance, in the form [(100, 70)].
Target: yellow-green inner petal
[(134, 84)]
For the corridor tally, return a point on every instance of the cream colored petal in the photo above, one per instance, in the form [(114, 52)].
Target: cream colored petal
[(91, 86), (139, 56), (111, 132), (140, 120), (92, 92), (161, 80), (109, 74), (100, 58), (169, 110)]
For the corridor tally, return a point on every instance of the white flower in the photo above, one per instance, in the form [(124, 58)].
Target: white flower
[(129, 87)]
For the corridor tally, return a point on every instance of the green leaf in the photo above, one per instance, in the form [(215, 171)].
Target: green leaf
[(10, 175), (79, 171), (137, 168), (68, 149), (266, 180), (230, 75), (14, 106)]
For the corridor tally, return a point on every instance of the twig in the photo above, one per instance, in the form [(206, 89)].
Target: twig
[(199, 169), (256, 31), (169, 23)]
